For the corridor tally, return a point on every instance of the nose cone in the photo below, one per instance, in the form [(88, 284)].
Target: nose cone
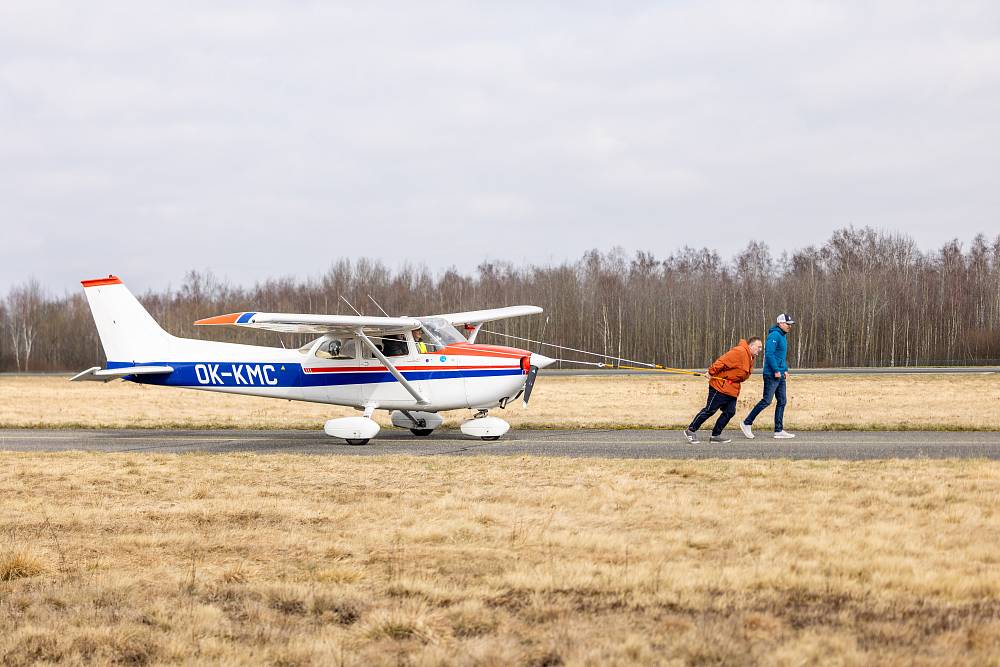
[(541, 360)]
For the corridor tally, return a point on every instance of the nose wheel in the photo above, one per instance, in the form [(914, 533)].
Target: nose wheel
[(484, 427)]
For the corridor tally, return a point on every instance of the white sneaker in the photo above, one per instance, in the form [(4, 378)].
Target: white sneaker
[(783, 435), (747, 431)]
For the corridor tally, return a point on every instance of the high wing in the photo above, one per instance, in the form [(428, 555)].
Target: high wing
[(482, 316), (315, 324)]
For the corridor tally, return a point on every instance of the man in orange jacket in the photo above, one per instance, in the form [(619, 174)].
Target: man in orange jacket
[(726, 375)]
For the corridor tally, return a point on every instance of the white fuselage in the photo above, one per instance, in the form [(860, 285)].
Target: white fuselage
[(458, 376)]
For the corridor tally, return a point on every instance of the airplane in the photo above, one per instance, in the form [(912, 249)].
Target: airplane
[(413, 367)]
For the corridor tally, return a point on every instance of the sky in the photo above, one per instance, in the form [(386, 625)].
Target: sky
[(257, 139)]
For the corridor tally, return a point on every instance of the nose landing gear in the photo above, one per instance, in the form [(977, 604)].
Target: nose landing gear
[(484, 427)]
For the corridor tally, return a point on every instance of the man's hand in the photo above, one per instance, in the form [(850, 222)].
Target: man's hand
[(777, 376), (786, 375)]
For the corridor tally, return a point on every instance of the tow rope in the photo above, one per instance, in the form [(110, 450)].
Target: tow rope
[(622, 363)]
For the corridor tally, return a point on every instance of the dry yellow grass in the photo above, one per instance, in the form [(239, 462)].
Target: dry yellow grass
[(243, 559), (960, 402), (18, 564)]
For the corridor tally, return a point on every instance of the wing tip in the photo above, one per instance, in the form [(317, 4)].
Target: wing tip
[(229, 318)]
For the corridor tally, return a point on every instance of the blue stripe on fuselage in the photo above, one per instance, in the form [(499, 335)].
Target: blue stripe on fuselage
[(259, 374)]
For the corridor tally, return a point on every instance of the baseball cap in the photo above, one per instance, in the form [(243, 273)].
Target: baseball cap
[(785, 318)]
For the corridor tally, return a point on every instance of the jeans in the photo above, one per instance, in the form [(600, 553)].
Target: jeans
[(773, 388), (716, 401)]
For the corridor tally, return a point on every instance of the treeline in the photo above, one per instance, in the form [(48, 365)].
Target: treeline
[(863, 298)]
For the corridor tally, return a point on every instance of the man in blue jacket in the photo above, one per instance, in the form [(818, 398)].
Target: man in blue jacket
[(775, 376)]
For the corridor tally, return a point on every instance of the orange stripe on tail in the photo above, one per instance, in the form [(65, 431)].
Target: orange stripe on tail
[(110, 280)]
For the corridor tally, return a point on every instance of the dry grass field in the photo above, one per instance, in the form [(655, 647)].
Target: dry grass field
[(242, 559), (884, 402)]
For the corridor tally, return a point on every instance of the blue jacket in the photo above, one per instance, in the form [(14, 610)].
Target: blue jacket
[(775, 352)]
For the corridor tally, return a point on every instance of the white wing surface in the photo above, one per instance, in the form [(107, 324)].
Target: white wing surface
[(315, 324), (491, 315)]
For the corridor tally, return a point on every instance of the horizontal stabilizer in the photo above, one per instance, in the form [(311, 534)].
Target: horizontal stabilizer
[(98, 374)]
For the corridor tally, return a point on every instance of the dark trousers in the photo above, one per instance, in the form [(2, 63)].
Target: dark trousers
[(773, 388), (716, 401)]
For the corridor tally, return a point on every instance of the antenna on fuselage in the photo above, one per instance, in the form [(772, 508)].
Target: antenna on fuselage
[(379, 306)]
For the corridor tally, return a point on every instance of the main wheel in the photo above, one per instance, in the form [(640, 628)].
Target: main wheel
[(357, 441), (491, 438), (422, 432)]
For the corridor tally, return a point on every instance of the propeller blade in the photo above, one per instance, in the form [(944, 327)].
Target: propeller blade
[(529, 383)]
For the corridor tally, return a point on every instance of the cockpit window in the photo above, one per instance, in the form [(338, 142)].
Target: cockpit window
[(337, 348), (438, 333), (394, 346)]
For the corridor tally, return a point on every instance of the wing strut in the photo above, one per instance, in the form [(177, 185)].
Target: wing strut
[(392, 369)]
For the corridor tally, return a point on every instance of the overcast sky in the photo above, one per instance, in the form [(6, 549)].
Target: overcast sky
[(262, 139)]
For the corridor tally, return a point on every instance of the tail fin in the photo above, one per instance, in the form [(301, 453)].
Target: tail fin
[(128, 332)]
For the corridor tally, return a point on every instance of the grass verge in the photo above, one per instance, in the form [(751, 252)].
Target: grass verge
[(294, 560)]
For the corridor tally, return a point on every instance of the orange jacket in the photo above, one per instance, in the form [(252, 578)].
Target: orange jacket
[(731, 369)]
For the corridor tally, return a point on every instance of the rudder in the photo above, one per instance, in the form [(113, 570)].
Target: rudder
[(128, 332)]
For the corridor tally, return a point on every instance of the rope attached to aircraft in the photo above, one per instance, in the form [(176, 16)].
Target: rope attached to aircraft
[(622, 363)]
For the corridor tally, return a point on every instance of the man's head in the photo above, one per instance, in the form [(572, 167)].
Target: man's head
[(755, 345), (418, 334), (785, 322)]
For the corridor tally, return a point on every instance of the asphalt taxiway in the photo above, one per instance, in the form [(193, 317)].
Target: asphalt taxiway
[(610, 444)]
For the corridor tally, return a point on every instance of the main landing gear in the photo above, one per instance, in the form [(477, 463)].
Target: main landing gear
[(355, 430), (420, 424), (359, 430)]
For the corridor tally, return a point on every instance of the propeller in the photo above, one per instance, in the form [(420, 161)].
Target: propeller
[(529, 383), (532, 364)]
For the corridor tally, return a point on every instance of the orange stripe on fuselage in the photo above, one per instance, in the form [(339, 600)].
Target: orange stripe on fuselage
[(407, 369), (221, 319), (476, 350), (110, 280)]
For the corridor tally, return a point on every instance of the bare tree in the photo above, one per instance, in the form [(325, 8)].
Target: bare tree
[(25, 304), (864, 297)]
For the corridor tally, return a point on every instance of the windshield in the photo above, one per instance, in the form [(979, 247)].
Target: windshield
[(440, 332)]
